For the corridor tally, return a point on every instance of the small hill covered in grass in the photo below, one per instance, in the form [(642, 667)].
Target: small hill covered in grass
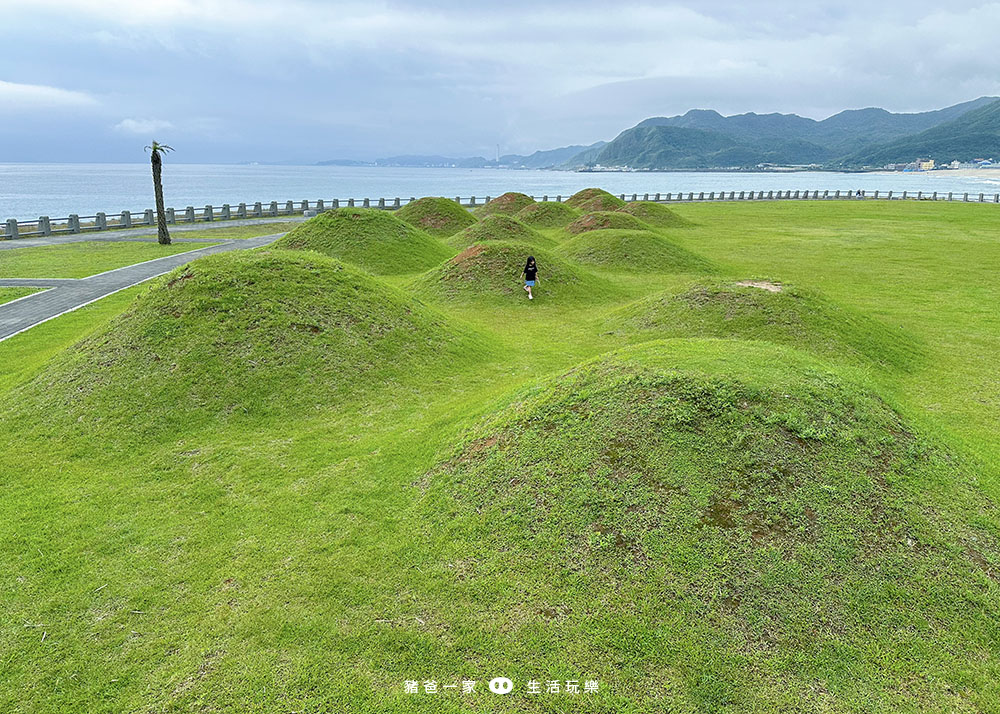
[(376, 240), (654, 214), (601, 220), (247, 334), (508, 204), (631, 251), (492, 270), (546, 214), (440, 217), (499, 227), (775, 537), (589, 200), (765, 310)]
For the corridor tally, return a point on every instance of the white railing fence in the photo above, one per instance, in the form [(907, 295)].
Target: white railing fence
[(73, 223)]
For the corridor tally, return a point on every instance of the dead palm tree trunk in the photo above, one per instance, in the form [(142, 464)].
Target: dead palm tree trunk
[(162, 235)]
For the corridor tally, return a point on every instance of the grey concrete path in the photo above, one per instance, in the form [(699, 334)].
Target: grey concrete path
[(136, 234), (66, 295)]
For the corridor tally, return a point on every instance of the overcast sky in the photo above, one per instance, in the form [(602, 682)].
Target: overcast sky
[(306, 80)]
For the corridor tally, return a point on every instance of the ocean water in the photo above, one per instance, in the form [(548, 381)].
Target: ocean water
[(28, 191)]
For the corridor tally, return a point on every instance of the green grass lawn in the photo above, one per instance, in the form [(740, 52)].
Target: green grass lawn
[(79, 260), (272, 482), (8, 294), (230, 232)]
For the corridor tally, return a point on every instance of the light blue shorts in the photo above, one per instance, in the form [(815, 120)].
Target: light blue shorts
[(530, 283)]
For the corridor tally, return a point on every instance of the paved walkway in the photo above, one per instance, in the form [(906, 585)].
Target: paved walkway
[(139, 234), (62, 295)]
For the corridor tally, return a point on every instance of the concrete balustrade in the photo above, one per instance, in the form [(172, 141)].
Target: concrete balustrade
[(74, 223)]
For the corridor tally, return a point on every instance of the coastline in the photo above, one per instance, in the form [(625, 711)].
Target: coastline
[(946, 173)]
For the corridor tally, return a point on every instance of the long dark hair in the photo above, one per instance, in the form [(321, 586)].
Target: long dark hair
[(531, 259)]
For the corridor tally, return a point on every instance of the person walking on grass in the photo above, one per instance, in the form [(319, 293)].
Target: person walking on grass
[(530, 273)]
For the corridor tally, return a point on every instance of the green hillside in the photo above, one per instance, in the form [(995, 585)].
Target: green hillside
[(746, 459), (499, 226), (703, 139), (440, 217), (375, 240), (631, 251), (975, 134), (600, 220), (546, 214)]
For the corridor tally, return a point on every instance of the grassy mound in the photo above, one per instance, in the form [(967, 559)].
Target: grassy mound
[(768, 537), (508, 204), (499, 227), (546, 214), (440, 217), (632, 252), (601, 220), (376, 240), (243, 335), (775, 313), (492, 270), (594, 199), (654, 214)]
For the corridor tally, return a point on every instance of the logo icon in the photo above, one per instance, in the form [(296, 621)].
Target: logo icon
[(501, 685)]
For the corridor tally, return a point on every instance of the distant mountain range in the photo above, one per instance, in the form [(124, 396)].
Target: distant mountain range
[(704, 139), (550, 159)]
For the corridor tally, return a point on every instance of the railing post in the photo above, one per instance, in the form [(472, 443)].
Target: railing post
[(126, 220), (996, 198), (920, 195), (258, 209), (472, 201), (645, 197), (305, 205), (486, 200), (101, 221), (965, 197), (320, 205), (170, 215), (980, 198), (74, 223), (11, 228), (350, 203), (876, 195), (889, 196), (949, 195), (657, 197), (44, 227), (395, 203), (621, 196), (711, 196), (189, 214), (273, 210), (545, 198), (366, 204), (147, 217), (336, 203), (209, 213), (227, 212), (634, 197), (743, 195), (289, 207), (559, 198), (904, 195), (458, 200), (241, 210), (381, 203)]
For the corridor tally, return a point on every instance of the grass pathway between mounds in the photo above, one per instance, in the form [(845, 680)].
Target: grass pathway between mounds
[(272, 481)]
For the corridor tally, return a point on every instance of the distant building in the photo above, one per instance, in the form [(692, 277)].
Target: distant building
[(925, 164)]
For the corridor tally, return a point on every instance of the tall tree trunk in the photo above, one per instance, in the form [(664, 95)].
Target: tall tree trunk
[(162, 235)]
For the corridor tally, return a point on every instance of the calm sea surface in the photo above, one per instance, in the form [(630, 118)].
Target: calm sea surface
[(28, 191)]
